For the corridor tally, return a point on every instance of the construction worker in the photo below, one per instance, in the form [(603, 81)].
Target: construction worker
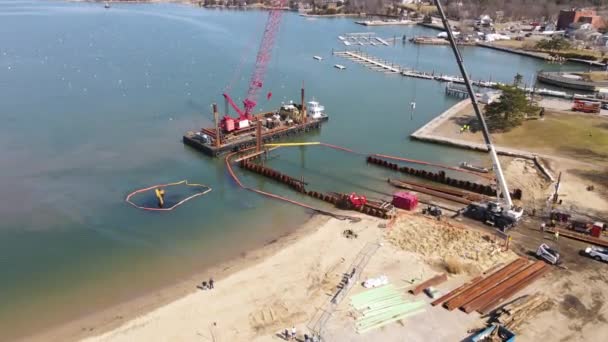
[(556, 234), (160, 197)]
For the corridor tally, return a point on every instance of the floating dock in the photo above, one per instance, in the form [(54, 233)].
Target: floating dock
[(363, 38), (368, 61), (379, 64)]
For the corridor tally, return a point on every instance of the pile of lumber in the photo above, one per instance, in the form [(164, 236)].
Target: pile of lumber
[(381, 306), (483, 294), (513, 315)]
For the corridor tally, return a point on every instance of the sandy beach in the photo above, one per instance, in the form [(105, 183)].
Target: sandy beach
[(290, 282), (286, 283), (106, 319)]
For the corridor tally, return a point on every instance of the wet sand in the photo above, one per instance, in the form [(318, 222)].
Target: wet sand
[(106, 319)]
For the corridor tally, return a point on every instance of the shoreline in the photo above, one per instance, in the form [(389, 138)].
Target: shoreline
[(109, 318), (425, 134), (294, 286)]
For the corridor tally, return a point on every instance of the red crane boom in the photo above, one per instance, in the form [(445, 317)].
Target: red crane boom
[(261, 63)]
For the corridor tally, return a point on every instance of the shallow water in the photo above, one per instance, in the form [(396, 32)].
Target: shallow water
[(94, 102)]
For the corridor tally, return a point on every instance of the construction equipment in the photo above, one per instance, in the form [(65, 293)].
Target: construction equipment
[(490, 213), (160, 196), (504, 206), (548, 254), (256, 82), (357, 201), (494, 332), (432, 210), (586, 106)]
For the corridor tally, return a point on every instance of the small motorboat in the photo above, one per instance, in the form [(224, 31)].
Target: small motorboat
[(470, 167), (106, 5), (319, 58), (339, 66)]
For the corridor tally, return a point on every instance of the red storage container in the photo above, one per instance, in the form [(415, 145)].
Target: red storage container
[(405, 200), (229, 125)]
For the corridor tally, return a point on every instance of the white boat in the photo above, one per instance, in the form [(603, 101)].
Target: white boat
[(106, 5), (316, 111), (340, 66), (319, 58), (341, 37)]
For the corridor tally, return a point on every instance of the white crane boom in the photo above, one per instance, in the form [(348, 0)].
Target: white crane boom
[(503, 190)]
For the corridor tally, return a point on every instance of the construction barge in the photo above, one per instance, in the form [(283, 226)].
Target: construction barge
[(290, 120)]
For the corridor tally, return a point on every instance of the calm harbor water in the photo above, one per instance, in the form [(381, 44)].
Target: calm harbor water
[(93, 103)]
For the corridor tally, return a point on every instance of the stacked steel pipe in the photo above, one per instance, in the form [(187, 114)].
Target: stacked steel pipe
[(484, 294), (441, 177)]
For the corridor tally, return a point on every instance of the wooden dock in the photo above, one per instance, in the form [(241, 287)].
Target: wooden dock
[(379, 64), (369, 61), (363, 39)]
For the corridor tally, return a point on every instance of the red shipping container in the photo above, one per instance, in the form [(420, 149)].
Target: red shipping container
[(405, 200), (229, 125)]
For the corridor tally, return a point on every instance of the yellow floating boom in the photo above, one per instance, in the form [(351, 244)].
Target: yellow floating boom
[(294, 144)]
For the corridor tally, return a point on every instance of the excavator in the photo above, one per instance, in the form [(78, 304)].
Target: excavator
[(501, 213)]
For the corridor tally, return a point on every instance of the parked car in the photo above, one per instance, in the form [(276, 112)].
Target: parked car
[(548, 254), (597, 253), (605, 106)]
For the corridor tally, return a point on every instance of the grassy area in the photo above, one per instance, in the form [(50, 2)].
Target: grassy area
[(424, 9), (514, 44), (593, 53), (529, 44), (570, 135)]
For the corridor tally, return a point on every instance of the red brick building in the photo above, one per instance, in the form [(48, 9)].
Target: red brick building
[(576, 15)]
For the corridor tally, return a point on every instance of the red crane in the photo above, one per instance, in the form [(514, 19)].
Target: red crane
[(257, 78)]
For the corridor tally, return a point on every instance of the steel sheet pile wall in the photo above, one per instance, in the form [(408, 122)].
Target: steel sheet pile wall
[(340, 200), (441, 177)]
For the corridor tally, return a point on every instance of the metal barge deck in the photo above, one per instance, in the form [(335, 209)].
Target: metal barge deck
[(249, 140)]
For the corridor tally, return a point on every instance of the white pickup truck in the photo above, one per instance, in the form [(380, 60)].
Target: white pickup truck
[(597, 253)]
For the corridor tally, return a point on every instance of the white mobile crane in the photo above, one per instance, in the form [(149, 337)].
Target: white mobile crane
[(501, 213)]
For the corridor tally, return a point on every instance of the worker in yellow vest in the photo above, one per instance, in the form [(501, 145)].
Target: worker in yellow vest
[(160, 196)]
